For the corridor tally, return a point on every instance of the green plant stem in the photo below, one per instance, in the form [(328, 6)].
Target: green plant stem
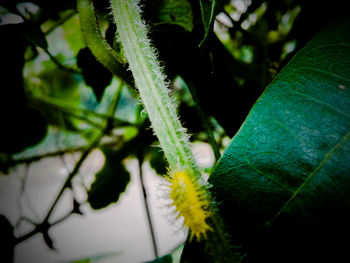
[(145, 199), (161, 109), (152, 85), (205, 122)]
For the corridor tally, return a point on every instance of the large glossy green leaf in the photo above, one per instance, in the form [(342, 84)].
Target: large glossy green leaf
[(284, 181)]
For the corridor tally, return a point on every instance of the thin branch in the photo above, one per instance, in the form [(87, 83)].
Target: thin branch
[(67, 183), (88, 121), (44, 225), (205, 122), (61, 22), (60, 65), (63, 218), (149, 219), (23, 218), (13, 162), (93, 145), (23, 196), (26, 236), (67, 107)]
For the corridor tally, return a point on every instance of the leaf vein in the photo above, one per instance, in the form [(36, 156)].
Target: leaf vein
[(267, 176), (308, 179), (324, 72), (320, 102)]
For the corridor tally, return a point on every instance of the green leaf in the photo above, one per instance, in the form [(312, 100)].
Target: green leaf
[(209, 10), (173, 256), (54, 84), (175, 12), (164, 259), (284, 179), (110, 182), (96, 258), (55, 141), (71, 32)]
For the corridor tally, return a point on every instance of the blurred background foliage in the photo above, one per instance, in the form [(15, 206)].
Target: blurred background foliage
[(56, 98)]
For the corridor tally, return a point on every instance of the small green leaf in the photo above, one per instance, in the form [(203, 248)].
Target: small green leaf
[(164, 259), (173, 256), (105, 257), (176, 12), (284, 179), (209, 9), (110, 182), (55, 84)]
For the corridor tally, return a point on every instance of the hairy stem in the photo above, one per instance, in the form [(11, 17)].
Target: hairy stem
[(152, 84), (161, 109)]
